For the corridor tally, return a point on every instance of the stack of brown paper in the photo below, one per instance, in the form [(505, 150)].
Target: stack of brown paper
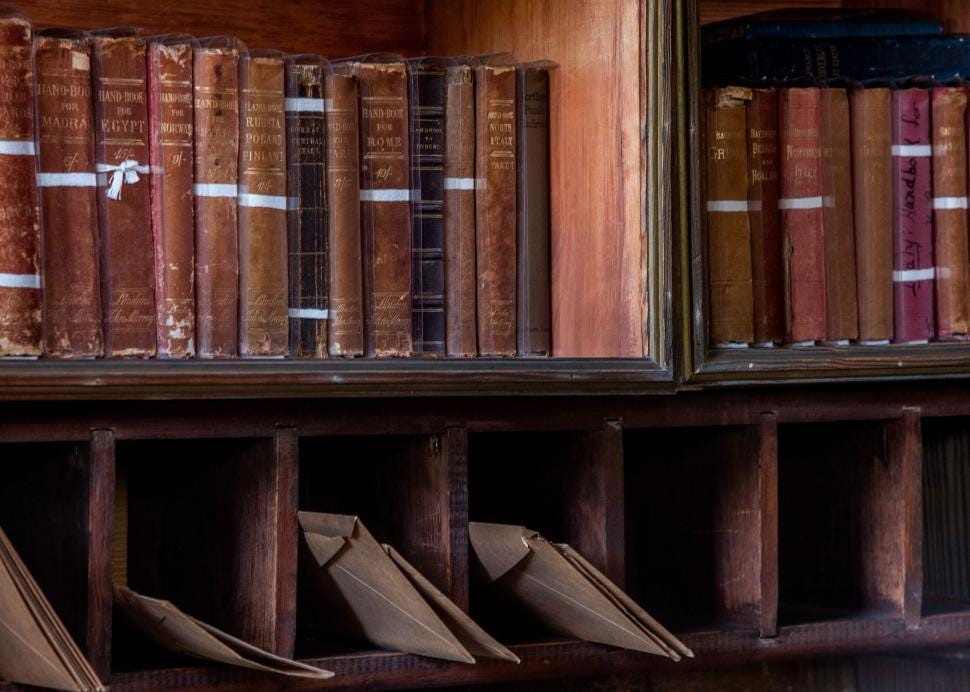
[(169, 627), (565, 592), (367, 591), (35, 648)]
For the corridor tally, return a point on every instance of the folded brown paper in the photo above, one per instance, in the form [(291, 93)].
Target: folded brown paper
[(565, 592), (368, 591), (172, 629), (35, 647)]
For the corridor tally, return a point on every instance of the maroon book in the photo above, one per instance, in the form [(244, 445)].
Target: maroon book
[(912, 171)]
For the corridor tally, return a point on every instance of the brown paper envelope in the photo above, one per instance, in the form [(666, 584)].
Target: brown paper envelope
[(559, 594), (35, 647), (469, 633), (168, 626), (369, 596)]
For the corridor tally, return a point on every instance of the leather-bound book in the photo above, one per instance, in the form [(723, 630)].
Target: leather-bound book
[(69, 207), (949, 106), (841, 306), (495, 207), (170, 116), (427, 222), (263, 284), (731, 301), (459, 213), (306, 161), (216, 87), (20, 285), (802, 215), (912, 172), (872, 187), (346, 337), (763, 218), (534, 308), (124, 195), (385, 208)]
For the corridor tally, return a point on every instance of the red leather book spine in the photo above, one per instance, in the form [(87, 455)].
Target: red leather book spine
[(20, 285), (801, 215), (912, 171), (69, 208), (173, 217)]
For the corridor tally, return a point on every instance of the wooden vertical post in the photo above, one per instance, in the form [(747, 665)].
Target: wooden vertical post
[(287, 453), (768, 473), (100, 516), (907, 455), (455, 453)]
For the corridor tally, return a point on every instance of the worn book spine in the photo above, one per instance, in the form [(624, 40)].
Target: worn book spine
[(346, 334), (841, 285), (731, 301), (306, 159), (534, 309), (216, 88), (949, 106), (872, 188), (459, 214), (385, 208), (801, 215), (20, 284), (69, 208), (170, 116), (427, 222), (913, 268), (124, 196), (763, 218), (495, 208)]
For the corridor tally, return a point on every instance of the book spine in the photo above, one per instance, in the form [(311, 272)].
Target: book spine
[(872, 187), (306, 157), (828, 27), (763, 219), (801, 215), (427, 229), (459, 214), (913, 268), (69, 208), (838, 231), (20, 285), (346, 337), (949, 105), (495, 208), (730, 293), (385, 207), (173, 219), (216, 88), (533, 292)]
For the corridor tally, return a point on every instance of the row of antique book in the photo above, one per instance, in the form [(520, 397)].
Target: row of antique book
[(362, 590), (175, 197)]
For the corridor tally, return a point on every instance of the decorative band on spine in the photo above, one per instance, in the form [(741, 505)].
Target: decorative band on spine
[(263, 201), (459, 183), (913, 150), (19, 280), (307, 105), (387, 195), (910, 275), (215, 190), (16, 147), (733, 205), (67, 180), (943, 203), (309, 314), (801, 202)]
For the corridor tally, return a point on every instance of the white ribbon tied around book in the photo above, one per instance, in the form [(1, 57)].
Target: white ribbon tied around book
[(125, 172)]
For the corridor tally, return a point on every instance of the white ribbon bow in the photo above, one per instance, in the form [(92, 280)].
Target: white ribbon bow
[(125, 172)]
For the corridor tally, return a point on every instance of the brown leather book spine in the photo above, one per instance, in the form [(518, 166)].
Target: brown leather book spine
[(841, 308), (495, 208), (731, 307), (459, 213), (763, 218), (124, 196), (20, 284), (949, 107), (263, 284), (872, 186), (346, 337), (69, 208), (216, 106), (385, 207), (170, 117)]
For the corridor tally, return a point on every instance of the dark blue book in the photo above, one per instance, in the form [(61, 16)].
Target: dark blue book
[(771, 61), (809, 22)]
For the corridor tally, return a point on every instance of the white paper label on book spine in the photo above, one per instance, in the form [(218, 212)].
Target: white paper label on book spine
[(459, 183), (309, 314), (305, 105), (67, 180), (733, 205), (19, 280), (907, 275), (264, 201), (387, 195), (944, 203), (14, 147), (215, 190), (913, 150), (801, 203)]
